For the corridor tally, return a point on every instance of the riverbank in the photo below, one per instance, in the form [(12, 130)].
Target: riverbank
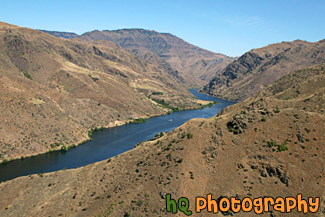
[(87, 136), (107, 141)]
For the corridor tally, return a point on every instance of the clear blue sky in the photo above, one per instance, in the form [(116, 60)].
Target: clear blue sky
[(229, 27)]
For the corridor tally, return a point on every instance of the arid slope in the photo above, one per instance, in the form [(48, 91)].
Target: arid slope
[(194, 64), (271, 144), (52, 90), (260, 67)]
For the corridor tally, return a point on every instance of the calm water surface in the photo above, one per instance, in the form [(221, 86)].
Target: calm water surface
[(108, 143)]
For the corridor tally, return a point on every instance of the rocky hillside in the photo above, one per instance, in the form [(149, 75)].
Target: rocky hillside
[(53, 91), (271, 144), (195, 64), (259, 67)]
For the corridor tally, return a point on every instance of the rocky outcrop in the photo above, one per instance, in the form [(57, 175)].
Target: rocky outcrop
[(260, 67)]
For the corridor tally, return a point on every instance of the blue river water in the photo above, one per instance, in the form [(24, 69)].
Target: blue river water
[(109, 142)]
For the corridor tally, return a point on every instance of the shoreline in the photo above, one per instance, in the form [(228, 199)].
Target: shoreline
[(115, 123)]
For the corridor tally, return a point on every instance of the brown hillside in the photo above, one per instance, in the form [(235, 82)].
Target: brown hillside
[(197, 66), (52, 91), (259, 67), (227, 155)]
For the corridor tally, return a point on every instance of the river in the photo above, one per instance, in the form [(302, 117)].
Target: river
[(108, 143)]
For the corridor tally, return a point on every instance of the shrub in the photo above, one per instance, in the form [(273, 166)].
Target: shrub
[(278, 147), (271, 143), (191, 175), (93, 78), (72, 146), (277, 110), (189, 135), (168, 147), (90, 133), (210, 104), (138, 121), (56, 144), (64, 148), (231, 129), (282, 147), (28, 75), (157, 93)]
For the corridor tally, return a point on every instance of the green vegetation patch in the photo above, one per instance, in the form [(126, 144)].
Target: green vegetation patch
[(165, 104), (277, 147), (4, 161), (28, 75), (138, 121), (90, 132), (157, 93), (211, 104), (93, 78), (189, 135)]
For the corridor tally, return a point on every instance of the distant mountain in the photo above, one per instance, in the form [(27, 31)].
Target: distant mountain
[(66, 35), (196, 64), (259, 67)]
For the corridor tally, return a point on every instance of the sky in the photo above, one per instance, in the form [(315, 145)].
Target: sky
[(230, 27)]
